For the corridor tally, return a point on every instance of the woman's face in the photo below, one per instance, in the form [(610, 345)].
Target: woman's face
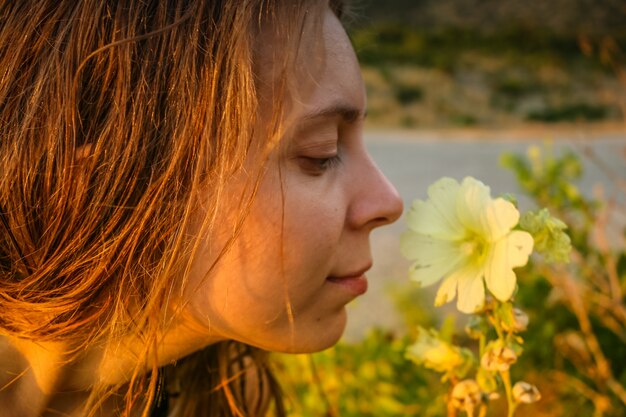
[(303, 249)]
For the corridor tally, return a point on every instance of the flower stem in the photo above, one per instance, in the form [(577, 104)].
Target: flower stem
[(506, 379), (481, 344), (451, 411), (496, 326)]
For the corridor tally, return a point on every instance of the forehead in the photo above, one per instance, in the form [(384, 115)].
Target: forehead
[(323, 72)]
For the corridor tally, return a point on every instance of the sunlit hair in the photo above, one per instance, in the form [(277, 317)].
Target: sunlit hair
[(114, 117)]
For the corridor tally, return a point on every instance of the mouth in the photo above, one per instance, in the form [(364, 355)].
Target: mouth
[(355, 283)]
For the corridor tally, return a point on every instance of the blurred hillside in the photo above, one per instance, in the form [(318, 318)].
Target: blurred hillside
[(493, 63), (562, 17)]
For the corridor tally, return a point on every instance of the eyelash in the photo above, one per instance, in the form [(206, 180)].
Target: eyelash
[(320, 165)]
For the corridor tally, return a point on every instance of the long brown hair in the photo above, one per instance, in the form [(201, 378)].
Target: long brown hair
[(113, 116)]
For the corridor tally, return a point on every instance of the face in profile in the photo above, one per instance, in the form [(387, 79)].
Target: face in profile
[(303, 249)]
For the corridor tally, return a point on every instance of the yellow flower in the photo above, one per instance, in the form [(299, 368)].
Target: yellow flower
[(435, 354), (463, 235)]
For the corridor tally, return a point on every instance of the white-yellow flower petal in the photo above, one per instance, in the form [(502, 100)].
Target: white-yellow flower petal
[(520, 246), (502, 285), (510, 252), (425, 250), (443, 195), (498, 218), (430, 273), (472, 198), (424, 218), (471, 290), (446, 291)]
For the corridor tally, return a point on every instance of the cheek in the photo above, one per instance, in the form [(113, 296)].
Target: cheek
[(288, 248), (279, 261), (314, 209), (241, 294), (313, 228)]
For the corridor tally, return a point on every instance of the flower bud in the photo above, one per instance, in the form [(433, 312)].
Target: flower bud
[(519, 322), (476, 327), (498, 359), (466, 396), (526, 393)]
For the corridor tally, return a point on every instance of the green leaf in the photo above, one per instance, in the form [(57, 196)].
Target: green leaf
[(549, 235)]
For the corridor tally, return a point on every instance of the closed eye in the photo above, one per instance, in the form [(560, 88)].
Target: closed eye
[(317, 166)]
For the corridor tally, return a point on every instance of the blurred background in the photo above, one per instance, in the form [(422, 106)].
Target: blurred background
[(530, 98), (495, 63)]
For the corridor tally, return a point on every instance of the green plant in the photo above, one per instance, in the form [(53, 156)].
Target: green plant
[(365, 379), (586, 333)]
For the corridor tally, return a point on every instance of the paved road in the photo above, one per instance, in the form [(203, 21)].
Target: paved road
[(414, 161)]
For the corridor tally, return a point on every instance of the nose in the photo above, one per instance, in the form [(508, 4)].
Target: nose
[(376, 202)]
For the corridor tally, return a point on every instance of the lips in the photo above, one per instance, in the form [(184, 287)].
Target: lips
[(355, 283)]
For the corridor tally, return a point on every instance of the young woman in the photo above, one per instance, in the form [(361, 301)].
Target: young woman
[(184, 186)]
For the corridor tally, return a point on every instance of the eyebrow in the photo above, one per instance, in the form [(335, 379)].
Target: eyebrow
[(347, 113)]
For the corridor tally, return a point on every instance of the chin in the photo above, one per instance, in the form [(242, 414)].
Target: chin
[(317, 336)]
